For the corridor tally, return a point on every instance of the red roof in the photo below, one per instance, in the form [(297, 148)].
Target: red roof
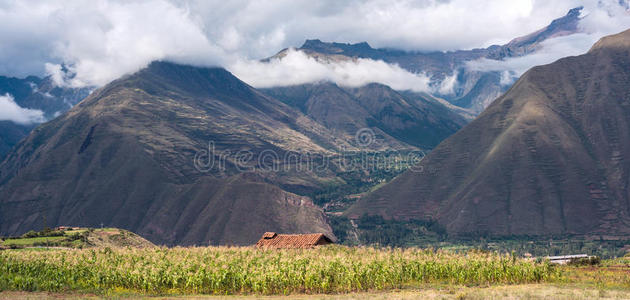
[(300, 241), (269, 235)]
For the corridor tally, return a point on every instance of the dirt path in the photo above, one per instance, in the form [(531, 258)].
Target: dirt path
[(528, 291)]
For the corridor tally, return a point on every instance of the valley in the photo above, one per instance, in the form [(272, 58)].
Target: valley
[(407, 149), (328, 164)]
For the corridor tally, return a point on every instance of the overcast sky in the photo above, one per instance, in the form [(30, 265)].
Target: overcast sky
[(103, 39)]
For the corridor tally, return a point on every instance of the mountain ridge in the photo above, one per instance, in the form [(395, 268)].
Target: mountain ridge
[(125, 157), (548, 157), (401, 121), (474, 89)]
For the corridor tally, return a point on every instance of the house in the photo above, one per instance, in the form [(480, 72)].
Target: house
[(272, 240)]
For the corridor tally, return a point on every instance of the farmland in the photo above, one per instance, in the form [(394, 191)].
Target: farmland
[(222, 270), (75, 238), (356, 272)]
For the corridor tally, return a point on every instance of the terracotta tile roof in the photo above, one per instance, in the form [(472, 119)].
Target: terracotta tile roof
[(271, 240), (269, 235)]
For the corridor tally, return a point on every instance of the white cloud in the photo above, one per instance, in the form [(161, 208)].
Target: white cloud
[(598, 19), (508, 77), (263, 27), (605, 17), (98, 40), (55, 72), (11, 111), (299, 68), (551, 51), (101, 40), (447, 85)]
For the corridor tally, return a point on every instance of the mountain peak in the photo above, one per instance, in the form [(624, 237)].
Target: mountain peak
[(160, 66), (312, 43), (575, 12), (558, 27), (619, 40), (193, 79), (568, 22), (362, 49)]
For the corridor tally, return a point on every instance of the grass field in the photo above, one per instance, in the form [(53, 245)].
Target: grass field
[(221, 270), (76, 238), (34, 241), (348, 272)]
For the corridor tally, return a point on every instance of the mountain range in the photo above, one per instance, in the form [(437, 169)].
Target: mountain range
[(187, 155), (550, 157), (472, 89), (128, 156), (125, 157)]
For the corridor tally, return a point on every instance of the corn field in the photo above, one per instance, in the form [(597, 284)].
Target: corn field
[(223, 270)]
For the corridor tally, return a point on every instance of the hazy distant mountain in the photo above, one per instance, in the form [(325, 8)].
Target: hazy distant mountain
[(34, 93), (407, 121), (125, 157), (551, 156), (520, 46), (473, 89), (10, 134)]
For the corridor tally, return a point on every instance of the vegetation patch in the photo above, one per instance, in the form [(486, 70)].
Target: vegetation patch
[(76, 238), (222, 270), (376, 231)]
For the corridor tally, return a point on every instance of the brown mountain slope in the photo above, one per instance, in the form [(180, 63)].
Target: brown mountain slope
[(124, 157), (327, 104), (400, 120), (551, 156)]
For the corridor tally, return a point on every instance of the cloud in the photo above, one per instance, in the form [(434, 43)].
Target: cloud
[(98, 41), (606, 17), (598, 20), (56, 74), (447, 85), (262, 27), (298, 68), (551, 50), (11, 111)]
